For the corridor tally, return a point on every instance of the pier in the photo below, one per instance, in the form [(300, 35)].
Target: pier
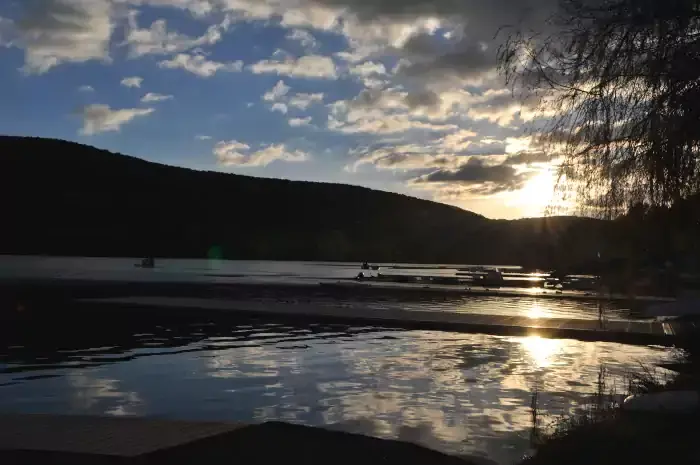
[(624, 331)]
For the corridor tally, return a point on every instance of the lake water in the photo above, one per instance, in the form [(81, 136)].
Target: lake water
[(202, 270), (459, 393)]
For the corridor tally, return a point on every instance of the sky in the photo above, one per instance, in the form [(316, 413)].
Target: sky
[(397, 95)]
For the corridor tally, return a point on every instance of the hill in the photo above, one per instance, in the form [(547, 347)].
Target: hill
[(71, 199)]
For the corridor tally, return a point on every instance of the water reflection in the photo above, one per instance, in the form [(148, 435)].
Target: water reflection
[(460, 393), (537, 311), (541, 351)]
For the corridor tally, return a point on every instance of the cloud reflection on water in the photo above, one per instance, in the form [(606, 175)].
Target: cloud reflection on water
[(460, 393), (463, 393)]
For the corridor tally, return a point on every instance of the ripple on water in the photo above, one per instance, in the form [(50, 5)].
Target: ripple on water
[(460, 393)]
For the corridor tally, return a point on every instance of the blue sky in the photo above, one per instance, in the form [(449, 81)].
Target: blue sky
[(395, 95)]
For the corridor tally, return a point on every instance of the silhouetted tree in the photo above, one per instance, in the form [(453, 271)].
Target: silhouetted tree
[(623, 80)]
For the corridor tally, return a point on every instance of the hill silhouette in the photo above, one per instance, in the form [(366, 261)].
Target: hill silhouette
[(65, 198)]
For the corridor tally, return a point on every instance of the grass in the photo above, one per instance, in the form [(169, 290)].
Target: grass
[(603, 433)]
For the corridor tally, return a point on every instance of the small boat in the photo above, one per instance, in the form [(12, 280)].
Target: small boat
[(492, 278)]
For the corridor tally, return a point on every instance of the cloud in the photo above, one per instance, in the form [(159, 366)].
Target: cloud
[(99, 118), (296, 122), (157, 40), (277, 92), (199, 8), (132, 82), (302, 101), (200, 65), (153, 97), (386, 111), (407, 157), (481, 178), (384, 124), (8, 31), (458, 141), (482, 17), (309, 66), (281, 107), (446, 42), (235, 153), (467, 60), (419, 104), (86, 89), (529, 158), (304, 37), (368, 68), (54, 32)]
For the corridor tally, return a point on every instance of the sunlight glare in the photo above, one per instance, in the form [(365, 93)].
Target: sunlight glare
[(538, 193), (541, 351), (536, 312)]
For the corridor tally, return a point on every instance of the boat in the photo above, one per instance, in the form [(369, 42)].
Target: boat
[(492, 278)]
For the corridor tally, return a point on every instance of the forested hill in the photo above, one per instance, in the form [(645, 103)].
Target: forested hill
[(63, 198)]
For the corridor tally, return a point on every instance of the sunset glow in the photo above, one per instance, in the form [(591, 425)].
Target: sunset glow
[(314, 90)]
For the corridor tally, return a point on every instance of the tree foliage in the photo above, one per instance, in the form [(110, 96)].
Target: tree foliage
[(622, 79)]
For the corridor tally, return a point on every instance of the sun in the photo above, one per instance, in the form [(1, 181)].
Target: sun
[(537, 194)]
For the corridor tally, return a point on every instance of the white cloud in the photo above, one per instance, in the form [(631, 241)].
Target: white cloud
[(292, 14), (383, 112), (407, 157), (281, 107), (388, 124), (235, 153), (200, 65), (368, 68), (86, 89), (132, 82), (62, 31), (303, 101), (202, 137), (153, 97), (101, 118), (458, 141), (296, 122), (157, 40), (310, 15), (309, 66), (198, 8), (304, 37), (277, 92)]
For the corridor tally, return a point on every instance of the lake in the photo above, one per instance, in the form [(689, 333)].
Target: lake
[(458, 393), (221, 271)]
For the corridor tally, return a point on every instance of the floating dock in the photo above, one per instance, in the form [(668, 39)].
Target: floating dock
[(169, 284), (624, 331)]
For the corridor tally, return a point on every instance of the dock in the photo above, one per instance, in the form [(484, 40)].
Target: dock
[(625, 331), (82, 440), (169, 284)]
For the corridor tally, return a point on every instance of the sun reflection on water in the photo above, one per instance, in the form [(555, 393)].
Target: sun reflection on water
[(537, 311), (541, 351)]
